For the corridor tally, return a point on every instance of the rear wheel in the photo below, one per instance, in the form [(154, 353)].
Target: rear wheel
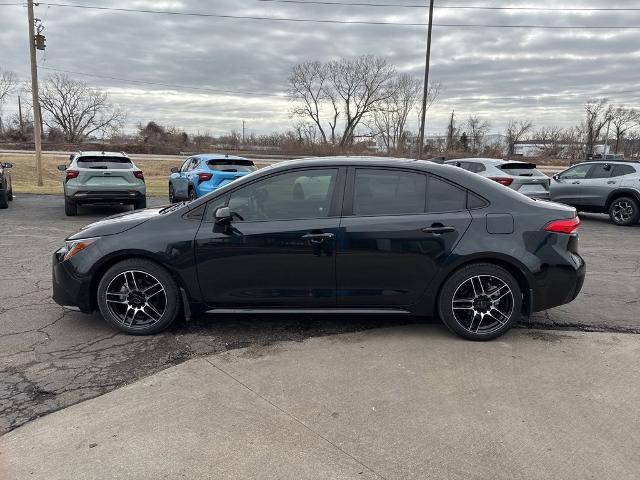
[(480, 301), (70, 207), (10, 195), (624, 211), (140, 204), (172, 195), (3, 199), (138, 296), (192, 194)]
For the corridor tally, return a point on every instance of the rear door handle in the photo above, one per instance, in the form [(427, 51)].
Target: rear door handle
[(575, 183), (611, 182), (318, 237), (438, 229)]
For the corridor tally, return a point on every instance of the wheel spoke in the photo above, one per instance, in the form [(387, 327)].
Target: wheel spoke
[(126, 314), (476, 283), (130, 279), (463, 304), (116, 298), (153, 310), (153, 290), (500, 317)]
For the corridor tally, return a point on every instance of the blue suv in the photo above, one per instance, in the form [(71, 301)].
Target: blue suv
[(204, 173)]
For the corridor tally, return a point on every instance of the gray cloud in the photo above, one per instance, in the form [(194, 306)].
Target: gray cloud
[(545, 75)]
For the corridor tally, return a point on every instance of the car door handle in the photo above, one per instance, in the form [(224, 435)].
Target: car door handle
[(318, 237), (611, 182), (575, 183), (438, 229)]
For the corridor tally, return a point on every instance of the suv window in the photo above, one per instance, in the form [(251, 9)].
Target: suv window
[(476, 167), (388, 192), (232, 165), (600, 170), (186, 166), (620, 170), (105, 163), (576, 173), (293, 195), (445, 197)]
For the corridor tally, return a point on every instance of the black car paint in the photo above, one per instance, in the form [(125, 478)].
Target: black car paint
[(385, 261)]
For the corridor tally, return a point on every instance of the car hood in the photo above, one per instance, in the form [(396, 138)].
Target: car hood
[(117, 223)]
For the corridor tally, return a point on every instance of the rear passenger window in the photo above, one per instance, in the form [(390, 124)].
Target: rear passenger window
[(600, 170), (445, 197), (620, 170), (388, 192)]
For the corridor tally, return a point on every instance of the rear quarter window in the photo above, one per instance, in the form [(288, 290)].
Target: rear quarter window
[(620, 170), (232, 165), (443, 196), (105, 163)]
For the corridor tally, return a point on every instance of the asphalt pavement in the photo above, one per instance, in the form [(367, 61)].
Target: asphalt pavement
[(50, 359)]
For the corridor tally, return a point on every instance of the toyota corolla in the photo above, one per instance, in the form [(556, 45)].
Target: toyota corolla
[(331, 236)]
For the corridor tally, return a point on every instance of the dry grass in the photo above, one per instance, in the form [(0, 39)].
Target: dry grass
[(23, 174)]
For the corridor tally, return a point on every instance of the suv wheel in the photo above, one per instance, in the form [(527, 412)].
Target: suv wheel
[(140, 204), (192, 194), (624, 211), (3, 199), (480, 301), (172, 195), (10, 195), (70, 207), (138, 296)]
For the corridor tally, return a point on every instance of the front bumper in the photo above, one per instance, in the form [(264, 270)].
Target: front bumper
[(70, 290), (89, 196)]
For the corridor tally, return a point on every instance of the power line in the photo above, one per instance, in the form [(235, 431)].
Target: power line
[(343, 22), (444, 7), (170, 85)]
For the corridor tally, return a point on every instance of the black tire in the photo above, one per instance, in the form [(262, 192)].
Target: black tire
[(10, 195), (172, 195), (498, 297), (125, 300), (192, 194), (4, 199), (624, 211), (70, 207), (140, 204)]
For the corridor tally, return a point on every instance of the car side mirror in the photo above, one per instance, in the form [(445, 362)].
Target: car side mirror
[(62, 168), (556, 177), (223, 216), (175, 169), (7, 165)]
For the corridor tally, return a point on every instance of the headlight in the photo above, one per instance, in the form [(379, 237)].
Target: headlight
[(73, 247)]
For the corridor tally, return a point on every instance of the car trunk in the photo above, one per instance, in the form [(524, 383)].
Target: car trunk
[(105, 173), (527, 178)]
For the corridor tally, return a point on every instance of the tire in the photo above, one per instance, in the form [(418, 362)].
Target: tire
[(4, 199), (192, 194), (127, 306), (172, 195), (497, 296), (140, 204), (10, 195), (624, 211), (70, 207)]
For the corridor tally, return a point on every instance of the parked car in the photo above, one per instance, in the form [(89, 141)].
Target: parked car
[(332, 235), (523, 177), (6, 189), (102, 178), (202, 174), (611, 187)]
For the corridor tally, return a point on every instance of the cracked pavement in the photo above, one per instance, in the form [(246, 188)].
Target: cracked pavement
[(50, 358)]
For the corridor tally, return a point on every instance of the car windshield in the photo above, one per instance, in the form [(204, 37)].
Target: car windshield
[(227, 165), (105, 163), (521, 170)]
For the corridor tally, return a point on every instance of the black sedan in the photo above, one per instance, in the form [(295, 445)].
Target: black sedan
[(334, 235), (6, 190)]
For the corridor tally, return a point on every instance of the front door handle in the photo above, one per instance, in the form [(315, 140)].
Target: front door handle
[(438, 229), (575, 183), (318, 237), (611, 182)]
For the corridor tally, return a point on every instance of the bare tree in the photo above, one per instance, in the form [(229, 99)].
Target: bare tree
[(391, 114), (477, 130), (307, 86), (552, 141), (517, 131), (8, 82), (452, 132), (360, 83), (76, 109), (622, 120), (598, 113)]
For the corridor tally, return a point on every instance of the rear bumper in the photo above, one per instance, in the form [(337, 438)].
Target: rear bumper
[(560, 284), (89, 196)]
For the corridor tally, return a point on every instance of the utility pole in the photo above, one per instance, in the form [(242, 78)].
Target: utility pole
[(37, 124), (242, 132), (426, 82), (20, 114)]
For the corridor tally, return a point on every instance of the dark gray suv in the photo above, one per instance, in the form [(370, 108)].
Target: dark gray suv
[(611, 187)]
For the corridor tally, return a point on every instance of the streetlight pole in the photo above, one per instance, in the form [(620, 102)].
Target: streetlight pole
[(426, 82), (37, 122)]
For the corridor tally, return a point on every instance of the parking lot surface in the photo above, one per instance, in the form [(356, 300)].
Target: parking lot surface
[(50, 359)]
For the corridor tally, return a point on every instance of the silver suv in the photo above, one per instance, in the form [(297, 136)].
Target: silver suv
[(102, 177), (611, 187)]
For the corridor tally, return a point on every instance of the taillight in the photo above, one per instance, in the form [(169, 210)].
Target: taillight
[(72, 174), (138, 174), (568, 226), (205, 177), (506, 181)]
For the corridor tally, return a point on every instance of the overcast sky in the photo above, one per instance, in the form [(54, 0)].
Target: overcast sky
[(496, 73)]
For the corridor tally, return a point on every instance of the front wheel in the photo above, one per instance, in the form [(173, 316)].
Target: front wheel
[(138, 296), (480, 301), (3, 199), (172, 194), (624, 211), (10, 195)]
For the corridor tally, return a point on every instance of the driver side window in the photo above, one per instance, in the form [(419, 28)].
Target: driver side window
[(576, 173), (294, 195)]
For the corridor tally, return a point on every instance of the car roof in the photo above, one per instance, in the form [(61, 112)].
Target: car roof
[(96, 153), (609, 162), (217, 156)]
